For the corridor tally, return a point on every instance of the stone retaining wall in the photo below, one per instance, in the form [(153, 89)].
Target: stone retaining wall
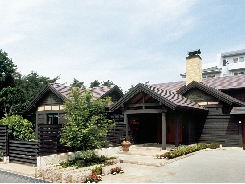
[(55, 159), (57, 174)]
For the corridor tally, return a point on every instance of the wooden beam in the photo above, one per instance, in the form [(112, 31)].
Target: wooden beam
[(125, 116), (164, 134), (144, 104), (238, 110), (142, 111), (126, 121)]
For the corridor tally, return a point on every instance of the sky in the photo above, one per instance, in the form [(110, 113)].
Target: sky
[(124, 41)]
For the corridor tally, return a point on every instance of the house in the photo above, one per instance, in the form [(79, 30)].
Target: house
[(192, 111), (48, 105), (227, 64)]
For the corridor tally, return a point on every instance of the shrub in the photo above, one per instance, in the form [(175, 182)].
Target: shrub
[(22, 129), (184, 150), (213, 145), (86, 158), (93, 178)]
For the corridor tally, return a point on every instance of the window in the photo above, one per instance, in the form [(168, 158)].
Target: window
[(241, 59), (224, 62), (211, 76), (238, 73), (235, 60), (52, 119)]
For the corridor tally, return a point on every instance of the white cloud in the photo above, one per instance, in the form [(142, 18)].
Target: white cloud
[(88, 40)]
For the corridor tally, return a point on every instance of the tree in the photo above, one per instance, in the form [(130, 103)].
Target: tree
[(22, 129), (77, 83), (96, 83), (32, 83), (7, 70), (88, 121), (12, 100), (107, 83)]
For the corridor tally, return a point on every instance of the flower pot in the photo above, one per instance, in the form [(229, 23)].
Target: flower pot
[(125, 146)]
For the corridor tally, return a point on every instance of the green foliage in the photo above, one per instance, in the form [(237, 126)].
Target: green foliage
[(77, 83), (107, 83), (30, 85), (97, 169), (12, 100), (93, 178), (7, 70), (184, 150), (88, 121), (85, 159), (95, 83), (214, 145), (21, 128)]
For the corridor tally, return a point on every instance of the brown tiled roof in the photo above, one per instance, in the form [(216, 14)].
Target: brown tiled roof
[(212, 91), (62, 92), (228, 82), (97, 91), (221, 83), (166, 97)]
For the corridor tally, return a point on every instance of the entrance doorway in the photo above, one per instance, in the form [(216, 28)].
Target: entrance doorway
[(144, 128)]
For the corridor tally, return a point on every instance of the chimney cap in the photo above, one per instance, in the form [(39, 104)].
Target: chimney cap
[(194, 53)]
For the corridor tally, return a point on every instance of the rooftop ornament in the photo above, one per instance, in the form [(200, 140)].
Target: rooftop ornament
[(194, 53)]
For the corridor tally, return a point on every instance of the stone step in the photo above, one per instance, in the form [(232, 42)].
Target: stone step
[(143, 160)]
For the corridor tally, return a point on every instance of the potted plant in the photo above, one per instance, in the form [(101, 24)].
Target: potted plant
[(125, 144)]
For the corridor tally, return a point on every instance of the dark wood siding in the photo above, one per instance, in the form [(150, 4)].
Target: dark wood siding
[(50, 99), (41, 118), (114, 96), (223, 129), (236, 93)]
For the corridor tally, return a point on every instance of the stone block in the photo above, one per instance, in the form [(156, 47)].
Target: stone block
[(6, 159)]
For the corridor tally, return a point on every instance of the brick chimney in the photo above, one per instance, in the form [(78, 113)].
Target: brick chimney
[(193, 67)]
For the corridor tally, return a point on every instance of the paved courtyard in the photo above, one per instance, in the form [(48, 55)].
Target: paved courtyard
[(207, 166), (224, 165)]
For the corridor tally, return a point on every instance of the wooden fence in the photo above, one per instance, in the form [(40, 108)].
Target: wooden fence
[(49, 139), (23, 151), (118, 131), (48, 143), (4, 140)]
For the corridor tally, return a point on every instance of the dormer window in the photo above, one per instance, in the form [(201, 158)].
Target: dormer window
[(241, 59)]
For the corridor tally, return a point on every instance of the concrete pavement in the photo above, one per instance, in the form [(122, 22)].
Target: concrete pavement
[(221, 165)]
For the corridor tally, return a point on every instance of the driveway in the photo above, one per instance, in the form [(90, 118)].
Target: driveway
[(8, 177), (225, 165)]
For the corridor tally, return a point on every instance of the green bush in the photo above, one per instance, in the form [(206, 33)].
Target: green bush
[(22, 129), (184, 150), (214, 145), (86, 158)]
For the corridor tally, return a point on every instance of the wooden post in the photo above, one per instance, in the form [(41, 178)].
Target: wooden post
[(36, 129), (164, 135), (126, 121), (240, 133), (176, 130)]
